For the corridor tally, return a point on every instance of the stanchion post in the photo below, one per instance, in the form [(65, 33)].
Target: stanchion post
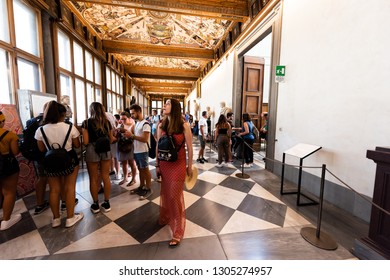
[(242, 175), (312, 235), (321, 202)]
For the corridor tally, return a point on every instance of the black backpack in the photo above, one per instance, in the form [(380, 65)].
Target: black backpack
[(102, 143), (2, 158), (152, 146), (28, 145), (57, 161), (167, 149)]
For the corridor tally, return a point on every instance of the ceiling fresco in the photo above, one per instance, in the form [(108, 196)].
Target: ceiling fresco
[(165, 62), (164, 42), (153, 27)]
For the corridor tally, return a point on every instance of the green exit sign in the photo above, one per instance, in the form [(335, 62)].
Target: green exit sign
[(280, 71)]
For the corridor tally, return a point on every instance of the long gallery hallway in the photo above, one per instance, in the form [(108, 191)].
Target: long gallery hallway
[(227, 218)]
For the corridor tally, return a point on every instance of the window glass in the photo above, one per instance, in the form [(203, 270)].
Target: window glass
[(98, 78), (4, 29), (88, 66), (108, 78), (78, 59), (120, 107), (80, 100), (159, 104), (5, 79), (98, 94), (90, 94), (28, 74), (26, 28), (120, 90), (113, 81), (109, 103), (64, 51)]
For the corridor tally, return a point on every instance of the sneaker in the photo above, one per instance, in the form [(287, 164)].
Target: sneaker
[(55, 222), (200, 160), (75, 219), (40, 208), (12, 221), (112, 173), (95, 207), (106, 206), (159, 180), (138, 190), (246, 165), (219, 165), (205, 160), (145, 194), (63, 204)]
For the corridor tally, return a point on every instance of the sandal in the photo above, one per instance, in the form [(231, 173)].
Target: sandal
[(124, 181), (132, 182), (174, 243)]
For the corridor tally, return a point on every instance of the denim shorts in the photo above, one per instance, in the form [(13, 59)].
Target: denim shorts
[(142, 160), (202, 141)]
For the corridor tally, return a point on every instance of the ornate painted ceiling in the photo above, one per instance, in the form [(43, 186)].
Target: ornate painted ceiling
[(162, 42)]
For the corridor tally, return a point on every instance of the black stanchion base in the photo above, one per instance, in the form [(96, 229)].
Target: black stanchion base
[(242, 175), (323, 242)]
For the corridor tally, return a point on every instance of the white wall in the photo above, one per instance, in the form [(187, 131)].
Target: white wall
[(218, 87), (337, 91)]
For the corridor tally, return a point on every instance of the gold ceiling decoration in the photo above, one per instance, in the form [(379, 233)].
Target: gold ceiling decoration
[(169, 41)]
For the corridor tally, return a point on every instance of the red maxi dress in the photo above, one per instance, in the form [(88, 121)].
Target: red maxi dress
[(172, 209)]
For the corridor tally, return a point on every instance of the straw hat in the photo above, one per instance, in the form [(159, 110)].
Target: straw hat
[(191, 181)]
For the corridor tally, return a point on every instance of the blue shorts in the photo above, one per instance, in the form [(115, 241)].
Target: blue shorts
[(142, 160)]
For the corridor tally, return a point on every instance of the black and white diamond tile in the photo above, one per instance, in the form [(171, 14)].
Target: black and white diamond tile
[(219, 204)]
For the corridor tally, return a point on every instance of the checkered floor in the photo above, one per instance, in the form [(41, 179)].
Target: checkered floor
[(227, 218)]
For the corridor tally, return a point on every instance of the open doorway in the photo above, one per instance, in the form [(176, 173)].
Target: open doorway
[(253, 91)]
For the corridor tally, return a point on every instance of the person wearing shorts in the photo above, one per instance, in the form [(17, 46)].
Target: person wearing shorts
[(140, 132)]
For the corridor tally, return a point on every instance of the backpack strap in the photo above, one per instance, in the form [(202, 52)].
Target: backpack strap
[(150, 132), (4, 134), (67, 136), (45, 138)]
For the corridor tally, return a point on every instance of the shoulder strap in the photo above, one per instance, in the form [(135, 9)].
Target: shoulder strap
[(45, 138), (150, 133), (67, 136), (3, 135), (47, 141)]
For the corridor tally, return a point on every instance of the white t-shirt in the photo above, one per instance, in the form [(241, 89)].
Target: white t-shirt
[(56, 133), (203, 122), (141, 147)]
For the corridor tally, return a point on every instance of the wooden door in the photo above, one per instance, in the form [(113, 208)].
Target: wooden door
[(252, 97)]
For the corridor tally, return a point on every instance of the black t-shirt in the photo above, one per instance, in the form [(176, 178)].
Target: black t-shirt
[(93, 132)]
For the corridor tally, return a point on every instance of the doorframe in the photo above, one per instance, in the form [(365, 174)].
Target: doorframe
[(271, 24)]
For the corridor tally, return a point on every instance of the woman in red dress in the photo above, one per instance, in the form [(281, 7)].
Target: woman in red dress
[(172, 208)]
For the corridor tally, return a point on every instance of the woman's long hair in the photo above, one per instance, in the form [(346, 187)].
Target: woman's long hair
[(53, 112), (222, 122), (174, 124), (98, 116), (246, 117)]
